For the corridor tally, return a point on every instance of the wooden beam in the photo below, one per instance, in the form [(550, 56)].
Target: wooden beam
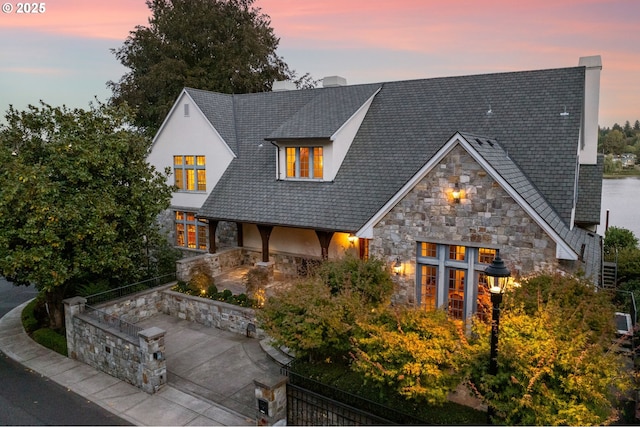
[(325, 240), (265, 233)]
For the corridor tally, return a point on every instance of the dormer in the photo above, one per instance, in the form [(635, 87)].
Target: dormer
[(313, 143)]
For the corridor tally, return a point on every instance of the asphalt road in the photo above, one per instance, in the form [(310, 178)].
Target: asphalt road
[(26, 398)]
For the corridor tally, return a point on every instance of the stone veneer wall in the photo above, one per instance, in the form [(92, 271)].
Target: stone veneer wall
[(228, 317), (486, 216), (217, 263), (287, 264), (137, 360), (142, 305)]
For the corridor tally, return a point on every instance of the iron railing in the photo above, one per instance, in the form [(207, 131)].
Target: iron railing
[(375, 409), (112, 321), (130, 289)]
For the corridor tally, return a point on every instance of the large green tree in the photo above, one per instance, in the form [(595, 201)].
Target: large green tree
[(225, 46), (78, 202)]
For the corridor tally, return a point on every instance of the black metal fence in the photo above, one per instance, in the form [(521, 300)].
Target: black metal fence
[(306, 408), (112, 294), (112, 321), (310, 402)]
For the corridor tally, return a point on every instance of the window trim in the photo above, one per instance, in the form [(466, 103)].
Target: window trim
[(471, 266), (185, 222), (297, 163), (199, 171)]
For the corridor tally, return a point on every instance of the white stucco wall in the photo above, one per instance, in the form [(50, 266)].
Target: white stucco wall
[(297, 241), (190, 135)]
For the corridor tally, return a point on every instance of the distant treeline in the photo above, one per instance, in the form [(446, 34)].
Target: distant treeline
[(619, 140)]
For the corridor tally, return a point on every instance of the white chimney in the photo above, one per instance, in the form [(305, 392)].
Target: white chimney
[(589, 131), (334, 81), (283, 85)]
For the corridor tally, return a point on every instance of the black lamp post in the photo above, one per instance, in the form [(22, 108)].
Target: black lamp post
[(498, 275)]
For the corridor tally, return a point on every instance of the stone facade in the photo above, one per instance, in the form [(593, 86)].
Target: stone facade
[(485, 217)]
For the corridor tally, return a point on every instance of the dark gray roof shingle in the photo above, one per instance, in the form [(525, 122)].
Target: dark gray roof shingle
[(405, 126)]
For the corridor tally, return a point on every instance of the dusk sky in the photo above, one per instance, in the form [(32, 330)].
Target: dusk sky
[(62, 55)]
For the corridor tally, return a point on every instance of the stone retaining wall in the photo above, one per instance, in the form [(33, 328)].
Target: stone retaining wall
[(136, 360), (216, 263), (208, 312)]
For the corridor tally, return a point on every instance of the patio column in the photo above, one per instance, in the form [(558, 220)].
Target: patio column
[(325, 239), (265, 233), (213, 226), (239, 234)]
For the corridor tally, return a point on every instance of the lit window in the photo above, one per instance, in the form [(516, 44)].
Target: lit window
[(428, 249), (452, 277), (190, 173), (304, 162), (456, 252), (455, 295), (190, 233), (428, 281)]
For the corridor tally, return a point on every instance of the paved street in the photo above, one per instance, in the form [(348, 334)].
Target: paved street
[(27, 398)]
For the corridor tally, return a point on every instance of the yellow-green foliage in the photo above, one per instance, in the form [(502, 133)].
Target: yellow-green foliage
[(311, 320), (317, 316), (556, 360), (420, 354)]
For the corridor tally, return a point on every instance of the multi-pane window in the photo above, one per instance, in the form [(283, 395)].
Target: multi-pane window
[(428, 282), (304, 162), (452, 277), (455, 293), (190, 173), (457, 252), (190, 233)]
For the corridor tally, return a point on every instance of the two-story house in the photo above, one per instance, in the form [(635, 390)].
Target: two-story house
[(431, 176)]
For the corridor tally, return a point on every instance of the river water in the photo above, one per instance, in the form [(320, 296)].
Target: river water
[(621, 196)]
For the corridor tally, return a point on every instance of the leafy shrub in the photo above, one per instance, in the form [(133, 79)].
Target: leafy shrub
[(181, 286), (93, 288), (212, 290), (368, 277), (51, 339), (28, 317), (201, 277)]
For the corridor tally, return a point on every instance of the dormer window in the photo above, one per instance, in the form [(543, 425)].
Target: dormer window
[(304, 162)]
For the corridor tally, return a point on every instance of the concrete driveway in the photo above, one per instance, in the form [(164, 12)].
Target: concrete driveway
[(212, 364)]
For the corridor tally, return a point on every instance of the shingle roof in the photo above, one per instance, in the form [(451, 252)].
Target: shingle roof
[(406, 124), (590, 193), (582, 242)]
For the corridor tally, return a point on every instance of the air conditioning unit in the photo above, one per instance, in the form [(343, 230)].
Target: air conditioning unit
[(623, 323)]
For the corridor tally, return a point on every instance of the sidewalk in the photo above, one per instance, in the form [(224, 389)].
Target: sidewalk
[(169, 406)]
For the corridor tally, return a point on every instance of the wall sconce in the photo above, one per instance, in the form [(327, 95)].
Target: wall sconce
[(397, 267), (456, 193), (352, 239)]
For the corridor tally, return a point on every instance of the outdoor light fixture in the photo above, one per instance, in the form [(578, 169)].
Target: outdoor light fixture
[(498, 275), (456, 193), (397, 267), (352, 238)]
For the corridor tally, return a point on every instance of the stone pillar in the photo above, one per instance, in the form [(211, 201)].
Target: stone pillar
[(268, 266), (153, 366), (72, 307), (271, 401)]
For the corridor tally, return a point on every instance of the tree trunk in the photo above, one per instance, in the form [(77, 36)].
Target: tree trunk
[(55, 308)]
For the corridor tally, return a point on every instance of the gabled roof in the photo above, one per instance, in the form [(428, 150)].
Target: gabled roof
[(405, 126), (324, 114)]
